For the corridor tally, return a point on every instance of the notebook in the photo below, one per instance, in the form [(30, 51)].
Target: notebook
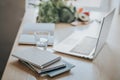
[(27, 36), (55, 66), (51, 72), (36, 57), (86, 45), (54, 73), (30, 40)]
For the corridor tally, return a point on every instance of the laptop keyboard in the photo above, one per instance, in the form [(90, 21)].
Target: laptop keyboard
[(85, 46)]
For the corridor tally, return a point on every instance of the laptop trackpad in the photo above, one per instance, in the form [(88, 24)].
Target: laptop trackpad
[(86, 46)]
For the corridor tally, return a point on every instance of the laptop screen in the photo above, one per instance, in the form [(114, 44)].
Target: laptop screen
[(11, 13), (105, 27)]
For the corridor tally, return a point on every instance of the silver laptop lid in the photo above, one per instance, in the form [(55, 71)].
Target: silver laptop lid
[(105, 27)]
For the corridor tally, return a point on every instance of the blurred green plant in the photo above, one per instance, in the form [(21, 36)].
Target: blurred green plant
[(55, 11)]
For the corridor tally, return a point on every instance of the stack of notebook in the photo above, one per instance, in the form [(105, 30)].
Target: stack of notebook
[(42, 62)]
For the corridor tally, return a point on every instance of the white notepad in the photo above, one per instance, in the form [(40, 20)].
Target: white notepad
[(29, 39), (36, 57), (27, 36)]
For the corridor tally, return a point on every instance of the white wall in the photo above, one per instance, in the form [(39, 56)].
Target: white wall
[(114, 35), (114, 3), (104, 6), (119, 7)]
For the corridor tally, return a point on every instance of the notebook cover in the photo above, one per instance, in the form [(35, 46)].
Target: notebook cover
[(36, 57)]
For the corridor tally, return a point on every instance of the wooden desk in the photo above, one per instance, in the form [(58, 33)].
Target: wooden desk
[(104, 67)]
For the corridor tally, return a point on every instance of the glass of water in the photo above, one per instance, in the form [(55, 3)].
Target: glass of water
[(41, 39)]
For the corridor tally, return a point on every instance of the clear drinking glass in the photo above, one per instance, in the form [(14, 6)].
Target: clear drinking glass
[(41, 39)]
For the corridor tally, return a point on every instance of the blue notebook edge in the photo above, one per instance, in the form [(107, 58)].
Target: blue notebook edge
[(68, 67)]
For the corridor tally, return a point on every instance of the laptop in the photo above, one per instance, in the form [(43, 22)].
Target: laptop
[(85, 45), (27, 36)]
